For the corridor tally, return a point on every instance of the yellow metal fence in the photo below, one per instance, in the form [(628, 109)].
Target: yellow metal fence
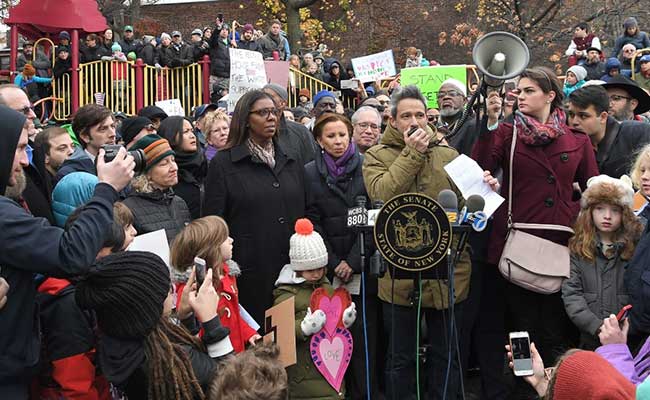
[(111, 83), (183, 83)]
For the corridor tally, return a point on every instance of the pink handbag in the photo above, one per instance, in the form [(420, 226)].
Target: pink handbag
[(528, 261)]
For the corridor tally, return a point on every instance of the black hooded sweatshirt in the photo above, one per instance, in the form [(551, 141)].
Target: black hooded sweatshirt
[(30, 245)]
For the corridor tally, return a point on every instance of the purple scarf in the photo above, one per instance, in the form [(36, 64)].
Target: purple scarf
[(336, 167)]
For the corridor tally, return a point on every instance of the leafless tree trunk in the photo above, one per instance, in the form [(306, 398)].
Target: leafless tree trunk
[(293, 20)]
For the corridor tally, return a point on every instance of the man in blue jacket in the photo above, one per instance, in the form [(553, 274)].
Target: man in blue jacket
[(29, 245)]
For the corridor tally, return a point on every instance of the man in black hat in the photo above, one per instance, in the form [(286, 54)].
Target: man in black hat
[(593, 65), (626, 99), (154, 113), (135, 128)]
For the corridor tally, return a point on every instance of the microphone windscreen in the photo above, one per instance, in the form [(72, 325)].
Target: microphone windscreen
[(475, 203), (448, 199)]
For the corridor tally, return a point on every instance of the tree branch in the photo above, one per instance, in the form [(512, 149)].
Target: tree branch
[(298, 4), (554, 5)]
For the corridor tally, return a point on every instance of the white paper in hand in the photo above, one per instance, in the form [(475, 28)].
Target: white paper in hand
[(468, 177), (153, 242)]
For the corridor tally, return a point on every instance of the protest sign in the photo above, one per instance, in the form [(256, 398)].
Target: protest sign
[(246, 73), (171, 107), (280, 328), (277, 72), (374, 66), (429, 79)]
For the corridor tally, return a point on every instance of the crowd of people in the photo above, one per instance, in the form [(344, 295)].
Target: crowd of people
[(262, 196)]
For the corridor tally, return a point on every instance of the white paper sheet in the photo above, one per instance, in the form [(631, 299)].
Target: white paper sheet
[(468, 176), (153, 242), (248, 318), (354, 286)]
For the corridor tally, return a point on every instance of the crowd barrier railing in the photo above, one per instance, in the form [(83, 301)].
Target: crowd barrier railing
[(299, 80), (109, 83), (183, 83)]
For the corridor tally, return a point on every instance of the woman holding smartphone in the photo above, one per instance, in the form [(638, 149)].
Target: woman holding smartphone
[(548, 159)]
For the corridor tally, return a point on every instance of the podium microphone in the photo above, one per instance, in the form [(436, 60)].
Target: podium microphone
[(449, 202), (473, 213)]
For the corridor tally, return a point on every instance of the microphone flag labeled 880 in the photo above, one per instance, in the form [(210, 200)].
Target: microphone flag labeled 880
[(357, 216)]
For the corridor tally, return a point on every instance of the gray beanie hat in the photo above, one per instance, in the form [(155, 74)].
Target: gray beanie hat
[(279, 90)]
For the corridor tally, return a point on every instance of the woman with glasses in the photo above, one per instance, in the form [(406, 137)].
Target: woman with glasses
[(548, 159), (334, 182), (258, 188), (191, 161)]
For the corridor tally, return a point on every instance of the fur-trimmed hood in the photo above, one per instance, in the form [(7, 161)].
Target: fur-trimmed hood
[(605, 189)]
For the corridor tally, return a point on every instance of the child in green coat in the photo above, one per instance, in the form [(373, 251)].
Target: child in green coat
[(304, 274)]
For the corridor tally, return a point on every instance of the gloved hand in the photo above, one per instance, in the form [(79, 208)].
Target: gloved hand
[(349, 315), (313, 322)]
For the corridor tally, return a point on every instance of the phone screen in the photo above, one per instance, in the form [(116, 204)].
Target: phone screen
[(199, 265), (521, 358)]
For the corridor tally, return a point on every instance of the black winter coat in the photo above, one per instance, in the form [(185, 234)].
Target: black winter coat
[(464, 140), (149, 54), (622, 140), (261, 206), (132, 45), (637, 282), (158, 210), (200, 49), (219, 57), (328, 200), (172, 57), (252, 45), (89, 54), (296, 138), (62, 67)]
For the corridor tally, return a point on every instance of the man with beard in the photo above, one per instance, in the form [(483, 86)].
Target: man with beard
[(452, 97), (366, 124), (594, 66), (273, 41), (56, 145), (129, 43), (41, 63), (384, 101), (30, 245), (94, 126), (613, 141), (247, 42), (324, 102), (626, 99)]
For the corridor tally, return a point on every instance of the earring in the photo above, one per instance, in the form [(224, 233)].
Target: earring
[(548, 101)]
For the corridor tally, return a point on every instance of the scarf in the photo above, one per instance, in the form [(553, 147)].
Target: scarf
[(192, 167), (534, 133), (265, 154), (336, 167)]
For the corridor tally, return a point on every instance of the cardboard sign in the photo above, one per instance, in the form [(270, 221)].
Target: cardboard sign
[(280, 328), (374, 66), (153, 242), (247, 73), (429, 79), (277, 72), (171, 107)]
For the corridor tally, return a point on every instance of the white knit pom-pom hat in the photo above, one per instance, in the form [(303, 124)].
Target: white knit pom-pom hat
[(307, 250)]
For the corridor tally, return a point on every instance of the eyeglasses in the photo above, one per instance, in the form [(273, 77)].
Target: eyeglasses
[(27, 110), (366, 125), (327, 105), (450, 93), (433, 118), (629, 51), (616, 97), (266, 112)]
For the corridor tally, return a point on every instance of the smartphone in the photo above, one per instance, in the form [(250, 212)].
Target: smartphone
[(199, 265), (521, 357), (623, 313), (220, 17)]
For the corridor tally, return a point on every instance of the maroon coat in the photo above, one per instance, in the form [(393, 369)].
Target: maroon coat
[(543, 176)]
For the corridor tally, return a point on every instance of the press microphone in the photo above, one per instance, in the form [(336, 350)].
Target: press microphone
[(374, 211), (449, 202), (358, 215), (473, 213)]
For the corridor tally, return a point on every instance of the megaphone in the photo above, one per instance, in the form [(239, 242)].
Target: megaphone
[(500, 56)]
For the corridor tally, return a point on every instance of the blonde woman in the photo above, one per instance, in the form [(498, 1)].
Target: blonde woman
[(216, 126)]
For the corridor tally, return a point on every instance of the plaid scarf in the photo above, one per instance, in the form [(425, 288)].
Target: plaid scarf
[(265, 154)]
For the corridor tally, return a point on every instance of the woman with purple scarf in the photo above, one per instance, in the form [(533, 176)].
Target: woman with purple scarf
[(333, 181)]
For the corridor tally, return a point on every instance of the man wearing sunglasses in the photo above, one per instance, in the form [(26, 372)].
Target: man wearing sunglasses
[(452, 98), (627, 101)]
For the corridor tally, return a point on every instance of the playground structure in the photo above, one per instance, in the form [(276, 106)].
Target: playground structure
[(123, 87)]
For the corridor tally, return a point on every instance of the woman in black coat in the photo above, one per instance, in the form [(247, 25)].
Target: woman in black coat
[(258, 188), (191, 161), (333, 182)]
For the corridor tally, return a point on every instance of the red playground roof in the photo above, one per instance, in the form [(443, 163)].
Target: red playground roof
[(36, 17)]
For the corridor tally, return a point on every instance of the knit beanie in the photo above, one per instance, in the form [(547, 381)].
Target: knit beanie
[(127, 291), (132, 126), (321, 95), (630, 22), (587, 375), (579, 72), (29, 70), (608, 190), (155, 149), (306, 248), (165, 35), (458, 85), (116, 47), (279, 90), (304, 92)]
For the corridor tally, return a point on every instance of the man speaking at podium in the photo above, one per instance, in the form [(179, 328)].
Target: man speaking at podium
[(410, 158)]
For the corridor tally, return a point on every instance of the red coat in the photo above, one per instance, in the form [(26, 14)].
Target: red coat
[(543, 176), (228, 310)]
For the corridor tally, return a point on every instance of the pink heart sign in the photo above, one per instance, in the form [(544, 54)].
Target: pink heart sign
[(331, 355), (333, 306)]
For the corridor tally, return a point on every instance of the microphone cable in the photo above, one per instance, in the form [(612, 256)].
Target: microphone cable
[(365, 331)]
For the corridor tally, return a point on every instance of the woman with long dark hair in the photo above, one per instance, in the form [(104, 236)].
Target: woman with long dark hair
[(548, 159), (191, 161), (258, 188)]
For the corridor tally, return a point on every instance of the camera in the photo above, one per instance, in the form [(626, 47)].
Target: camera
[(138, 156)]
